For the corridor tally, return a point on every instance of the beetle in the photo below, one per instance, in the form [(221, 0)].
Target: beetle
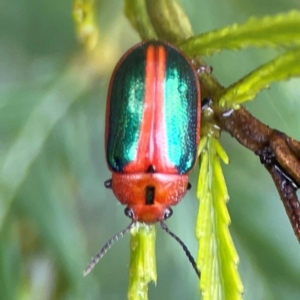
[(152, 133)]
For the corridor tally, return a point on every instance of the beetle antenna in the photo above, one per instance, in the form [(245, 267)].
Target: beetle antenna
[(184, 247), (106, 247)]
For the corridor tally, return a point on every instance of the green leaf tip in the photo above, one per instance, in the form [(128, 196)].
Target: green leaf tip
[(84, 16), (217, 257), (220, 151), (269, 31), (280, 68), (142, 268)]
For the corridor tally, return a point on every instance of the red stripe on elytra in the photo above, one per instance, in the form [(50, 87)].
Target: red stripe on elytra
[(152, 146), (159, 137)]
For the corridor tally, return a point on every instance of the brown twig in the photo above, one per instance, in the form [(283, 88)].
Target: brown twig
[(279, 154)]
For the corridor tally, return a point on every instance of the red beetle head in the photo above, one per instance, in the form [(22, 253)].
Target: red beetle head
[(149, 196)]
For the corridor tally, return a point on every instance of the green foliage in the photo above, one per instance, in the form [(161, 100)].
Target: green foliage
[(217, 257), (281, 68), (142, 268), (270, 31), (136, 12), (85, 21), (46, 114)]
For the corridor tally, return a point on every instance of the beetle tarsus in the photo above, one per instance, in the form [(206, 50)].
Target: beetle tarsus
[(206, 103), (108, 183)]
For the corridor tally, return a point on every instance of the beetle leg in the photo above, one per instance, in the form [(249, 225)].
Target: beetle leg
[(108, 183)]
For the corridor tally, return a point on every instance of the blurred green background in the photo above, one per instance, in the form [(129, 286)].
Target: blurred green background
[(54, 210)]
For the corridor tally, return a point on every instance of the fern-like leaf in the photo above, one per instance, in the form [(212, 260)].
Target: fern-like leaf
[(217, 257), (270, 31), (142, 268), (281, 68)]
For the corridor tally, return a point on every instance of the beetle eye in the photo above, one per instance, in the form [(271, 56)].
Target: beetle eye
[(128, 212), (168, 213)]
